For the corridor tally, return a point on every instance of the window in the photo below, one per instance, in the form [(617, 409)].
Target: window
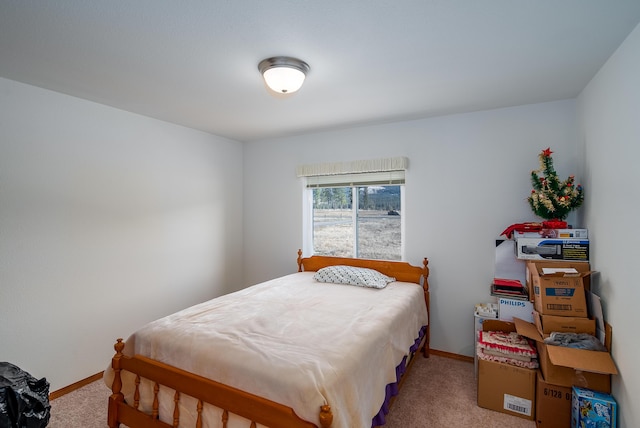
[(355, 214), (358, 221)]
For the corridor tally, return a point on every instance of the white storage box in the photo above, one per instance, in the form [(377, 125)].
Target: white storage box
[(510, 308), (482, 312)]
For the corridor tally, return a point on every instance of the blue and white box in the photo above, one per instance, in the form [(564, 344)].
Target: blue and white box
[(552, 249), (554, 233), (592, 409)]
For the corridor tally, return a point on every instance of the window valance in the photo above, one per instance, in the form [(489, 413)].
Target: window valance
[(385, 171), (353, 167)]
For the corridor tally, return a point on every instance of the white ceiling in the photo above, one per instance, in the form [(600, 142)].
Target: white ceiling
[(194, 62)]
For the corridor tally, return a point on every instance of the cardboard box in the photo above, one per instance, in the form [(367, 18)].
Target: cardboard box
[(506, 388), (569, 366), (560, 293), (510, 308), (533, 265), (547, 324), (552, 249), (503, 387), (553, 404), (593, 409)]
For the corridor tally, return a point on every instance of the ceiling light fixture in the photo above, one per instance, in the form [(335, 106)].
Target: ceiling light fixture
[(283, 74)]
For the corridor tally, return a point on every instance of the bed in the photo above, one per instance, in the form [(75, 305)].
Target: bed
[(294, 352)]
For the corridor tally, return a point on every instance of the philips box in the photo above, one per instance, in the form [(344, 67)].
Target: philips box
[(552, 249), (510, 308), (592, 409)]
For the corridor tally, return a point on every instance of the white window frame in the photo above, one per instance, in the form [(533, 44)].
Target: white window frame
[(388, 171)]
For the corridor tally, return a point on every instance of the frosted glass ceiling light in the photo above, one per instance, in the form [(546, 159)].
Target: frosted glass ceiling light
[(283, 74)]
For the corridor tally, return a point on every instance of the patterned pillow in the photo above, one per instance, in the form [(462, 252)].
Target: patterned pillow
[(350, 275)]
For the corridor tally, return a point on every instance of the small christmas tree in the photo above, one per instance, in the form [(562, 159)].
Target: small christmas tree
[(551, 198)]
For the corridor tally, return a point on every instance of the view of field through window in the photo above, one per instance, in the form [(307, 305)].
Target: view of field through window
[(375, 233)]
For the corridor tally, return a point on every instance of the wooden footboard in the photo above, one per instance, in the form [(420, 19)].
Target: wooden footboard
[(231, 400)]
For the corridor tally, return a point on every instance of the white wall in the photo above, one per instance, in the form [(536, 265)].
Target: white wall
[(609, 113), (468, 179), (96, 203)]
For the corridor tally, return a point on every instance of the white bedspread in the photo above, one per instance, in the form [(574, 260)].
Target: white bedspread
[(297, 342)]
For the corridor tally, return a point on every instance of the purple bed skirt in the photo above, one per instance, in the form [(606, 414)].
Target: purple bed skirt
[(392, 388)]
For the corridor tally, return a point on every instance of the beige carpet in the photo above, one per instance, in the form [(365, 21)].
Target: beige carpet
[(439, 392)]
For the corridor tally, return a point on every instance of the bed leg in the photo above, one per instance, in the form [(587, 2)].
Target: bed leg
[(326, 417), (426, 348)]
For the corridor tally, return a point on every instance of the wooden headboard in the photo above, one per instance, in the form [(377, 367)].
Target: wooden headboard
[(401, 271)]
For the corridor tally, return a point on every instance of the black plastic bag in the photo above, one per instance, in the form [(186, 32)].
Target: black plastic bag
[(24, 400)]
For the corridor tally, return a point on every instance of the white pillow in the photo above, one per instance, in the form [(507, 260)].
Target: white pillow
[(351, 275)]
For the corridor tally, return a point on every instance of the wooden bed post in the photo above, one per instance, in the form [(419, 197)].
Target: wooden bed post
[(299, 260), (425, 287), (326, 417), (116, 387)]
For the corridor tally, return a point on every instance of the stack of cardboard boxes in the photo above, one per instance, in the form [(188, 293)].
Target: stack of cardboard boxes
[(562, 301)]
